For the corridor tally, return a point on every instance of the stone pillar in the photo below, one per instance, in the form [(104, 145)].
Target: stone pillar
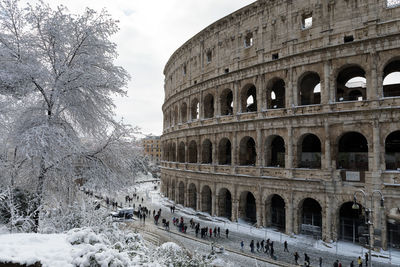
[(199, 149), (186, 149), (374, 91), (260, 207), (260, 89), (198, 196), (289, 89), (201, 106), (328, 221), (234, 150), (214, 150), (259, 148), (214, 200), (294, 89), (289, 158), (327, 143), (186, 195), (377, 146), (289, 217), (217, 104), (235, 209), (326, 89), (236, 98)]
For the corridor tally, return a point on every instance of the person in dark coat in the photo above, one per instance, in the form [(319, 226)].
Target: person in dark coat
[(227, 232), (296, 257), (252, 246), (285, 246)]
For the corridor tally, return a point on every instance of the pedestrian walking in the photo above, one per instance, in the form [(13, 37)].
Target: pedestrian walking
[(320, 262), (215, 231), (144, 218), (252, 246), (227, 232), (267, 246), (142, 200), (262, 245), (359, 261), (258, 246), (296, 257), (366, 259), (219, 232), (339, 264), (241, 245), (197, 231), (352, 264), (210, 232), (285, 246), (272, 253), (306, 260), (336, 263)]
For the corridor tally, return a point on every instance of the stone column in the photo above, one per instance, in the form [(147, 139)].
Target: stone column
[(198, 196), (264, 214), (326, 89), (289, 217), (289, 89), (289, 158), (236, 98), (260, 89), (374, 91), (235, 209), (186, 195), (214, 150), (217, 104), (186, 149), (259, 148), (328, 221), (201, 106), (327, 143), (199, 149), (377, 145), (260, 207), (234, 150), (214, 200)]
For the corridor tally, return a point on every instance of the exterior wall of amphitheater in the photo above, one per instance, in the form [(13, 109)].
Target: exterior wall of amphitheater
[(218, 142)]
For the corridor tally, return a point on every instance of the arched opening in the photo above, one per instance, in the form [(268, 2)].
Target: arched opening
[(181, 193), (247, 207), (184, 113), (225, 203), (392, 151), (192, 152), (353, 152), (206, 199), (310, 152), (172, 154), (209, 106), (225, 152), (181, 152), (226, 101), (276, 94), (192, 196), (277, 212), (176, 116), (249, 98), (194, 110), (206, 152), (351, 84), (310, 89), (247, 151), (275, 151), (391, 79), (311, 218), (349, 221)]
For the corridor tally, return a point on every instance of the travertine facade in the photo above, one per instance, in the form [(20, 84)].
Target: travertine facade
[(279, 112)]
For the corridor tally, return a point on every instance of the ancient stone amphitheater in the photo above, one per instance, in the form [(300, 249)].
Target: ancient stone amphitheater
[(281, 112)]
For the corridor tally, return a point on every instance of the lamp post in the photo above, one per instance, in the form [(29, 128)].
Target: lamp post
[(368, 214)]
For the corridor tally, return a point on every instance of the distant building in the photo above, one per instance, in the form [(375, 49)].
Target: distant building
[(152, 148)]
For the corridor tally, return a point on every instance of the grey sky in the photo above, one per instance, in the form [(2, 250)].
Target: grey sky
[(150, 32)]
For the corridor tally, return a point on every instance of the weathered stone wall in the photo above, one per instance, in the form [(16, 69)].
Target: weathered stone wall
[(282, 49)]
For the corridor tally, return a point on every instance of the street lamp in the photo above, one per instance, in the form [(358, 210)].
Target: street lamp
[(368, 212)]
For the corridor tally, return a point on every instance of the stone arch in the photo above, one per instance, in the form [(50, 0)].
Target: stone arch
[(276, 93), (391, 78), (309, 151), (225, 152), (226, 102), (195, 109), (352, 152), (206, 199), (276, 211), (310, 217), (247, 151), (176, 115), (275, 151), (248, 97), (351, 84), (309, 89), (392, 151), (184, 112), (225, 203), (181, 193), (247, 207), (192, 196), (349, 221), (192, 152), (173, 152), (206, 152), (181, 152), (208, 106)]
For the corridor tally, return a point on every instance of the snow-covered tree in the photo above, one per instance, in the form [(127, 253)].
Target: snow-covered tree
[(58, 77)]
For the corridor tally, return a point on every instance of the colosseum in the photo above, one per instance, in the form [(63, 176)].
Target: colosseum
[(284, 112)]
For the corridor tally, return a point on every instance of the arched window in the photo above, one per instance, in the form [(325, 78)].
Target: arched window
[(249, 98), (206, 152), (225, 152), (276, 94), (226, 102), (392, 151), (311, 217), (310, 89), (194, 110), (391, 79), (181, 152), (193, 152), (275, 151), (209, 106), (247, 151), (176, 115), (184, 113), (173, 152), (309, 152), (247, 207), (353, 152), (351, 84)]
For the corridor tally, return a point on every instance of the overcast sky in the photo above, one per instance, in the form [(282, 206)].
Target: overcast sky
[(150, 32)]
